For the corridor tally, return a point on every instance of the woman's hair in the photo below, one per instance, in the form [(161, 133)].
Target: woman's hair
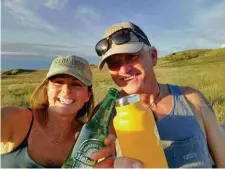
[(39, 104)]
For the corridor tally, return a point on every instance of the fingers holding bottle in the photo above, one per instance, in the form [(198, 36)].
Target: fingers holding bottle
[(124, 162), (106, 155)]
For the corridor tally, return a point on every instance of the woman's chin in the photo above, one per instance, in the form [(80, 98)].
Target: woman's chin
[(64, 110), (66, 115)]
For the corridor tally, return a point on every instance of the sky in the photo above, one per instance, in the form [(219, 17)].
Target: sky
[(33, 32)]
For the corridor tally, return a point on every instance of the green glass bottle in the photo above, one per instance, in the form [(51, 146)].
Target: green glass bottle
[(92, 134)]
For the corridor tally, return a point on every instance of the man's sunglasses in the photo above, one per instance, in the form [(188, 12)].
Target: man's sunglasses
[(119, 37)]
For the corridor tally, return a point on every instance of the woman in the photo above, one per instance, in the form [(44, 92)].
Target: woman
[(43, 135)]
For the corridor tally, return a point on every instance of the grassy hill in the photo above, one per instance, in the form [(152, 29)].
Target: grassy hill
[(201, 69)]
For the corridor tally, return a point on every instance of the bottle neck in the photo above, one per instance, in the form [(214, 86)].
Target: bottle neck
[(102, 117)]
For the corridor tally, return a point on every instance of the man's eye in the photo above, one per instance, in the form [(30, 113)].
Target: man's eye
[(133, 57), (113, 65)]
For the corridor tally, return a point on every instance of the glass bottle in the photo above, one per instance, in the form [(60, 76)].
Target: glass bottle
[(92, 134)]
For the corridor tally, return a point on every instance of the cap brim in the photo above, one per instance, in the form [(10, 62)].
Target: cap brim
[(131, 47), (75, 73)]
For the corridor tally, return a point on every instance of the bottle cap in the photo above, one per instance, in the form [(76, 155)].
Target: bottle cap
[(127, 100)]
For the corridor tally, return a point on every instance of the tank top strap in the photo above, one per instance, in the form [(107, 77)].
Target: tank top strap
[(24, 143), (31, 124), (174, 90), (181, 105)]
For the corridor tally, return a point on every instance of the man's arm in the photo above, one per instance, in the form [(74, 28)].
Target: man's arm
[(214, 133), (223, 126)]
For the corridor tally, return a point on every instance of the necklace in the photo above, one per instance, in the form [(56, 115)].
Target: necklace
[(150, 105)]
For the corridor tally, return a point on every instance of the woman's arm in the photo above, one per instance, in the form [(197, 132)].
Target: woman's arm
[(15, 123), (214, 133)]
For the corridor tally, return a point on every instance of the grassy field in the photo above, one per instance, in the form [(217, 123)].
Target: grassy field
[(201, 69)]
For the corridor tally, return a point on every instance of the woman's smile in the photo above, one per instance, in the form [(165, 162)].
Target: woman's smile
[(66, 101)]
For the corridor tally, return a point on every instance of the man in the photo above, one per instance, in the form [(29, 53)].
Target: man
[(186, 122)]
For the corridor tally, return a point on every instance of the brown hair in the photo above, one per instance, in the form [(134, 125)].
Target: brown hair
[(39, 103)]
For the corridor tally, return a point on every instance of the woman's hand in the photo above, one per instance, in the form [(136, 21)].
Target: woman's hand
[(108, 153)]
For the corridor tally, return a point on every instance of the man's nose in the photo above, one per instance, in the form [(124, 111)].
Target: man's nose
[(125, 68)]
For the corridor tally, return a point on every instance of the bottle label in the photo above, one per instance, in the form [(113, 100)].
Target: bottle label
[(82, 157)]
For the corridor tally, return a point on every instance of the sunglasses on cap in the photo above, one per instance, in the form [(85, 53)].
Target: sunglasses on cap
[(119, 37)]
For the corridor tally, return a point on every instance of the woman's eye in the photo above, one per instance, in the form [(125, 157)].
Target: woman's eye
[(76, 85), (58, 81)]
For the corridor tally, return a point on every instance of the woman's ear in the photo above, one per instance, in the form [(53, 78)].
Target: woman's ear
[(154, 55)]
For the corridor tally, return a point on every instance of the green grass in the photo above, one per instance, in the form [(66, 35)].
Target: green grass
[(201, 69)]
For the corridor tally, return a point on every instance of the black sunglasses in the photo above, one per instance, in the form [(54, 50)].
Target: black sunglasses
[(119, 37)]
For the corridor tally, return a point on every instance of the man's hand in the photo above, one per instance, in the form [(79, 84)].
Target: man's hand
[(107, 154), (124, 162)]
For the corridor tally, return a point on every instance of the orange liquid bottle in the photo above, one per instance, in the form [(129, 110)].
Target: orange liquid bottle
[(137, 132)]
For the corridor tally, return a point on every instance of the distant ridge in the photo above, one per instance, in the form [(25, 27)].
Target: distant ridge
[(17, 71), (194, 53), (173, 59), (192, 57)]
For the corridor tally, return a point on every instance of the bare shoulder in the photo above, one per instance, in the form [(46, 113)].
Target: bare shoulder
[(196, 98), (16, 113), (15, 123), (192, 94)]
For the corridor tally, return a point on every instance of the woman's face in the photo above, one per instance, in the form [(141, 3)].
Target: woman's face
[(66, 94)]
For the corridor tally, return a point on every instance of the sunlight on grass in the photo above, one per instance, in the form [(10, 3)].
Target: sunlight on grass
[(201, 69)]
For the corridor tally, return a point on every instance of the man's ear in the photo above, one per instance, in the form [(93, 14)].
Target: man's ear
[(154, 55)]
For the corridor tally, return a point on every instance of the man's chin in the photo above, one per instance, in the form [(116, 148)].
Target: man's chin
[(130, 90)]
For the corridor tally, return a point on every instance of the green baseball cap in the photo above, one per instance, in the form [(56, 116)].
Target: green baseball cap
[(133, 46), (71, 65)]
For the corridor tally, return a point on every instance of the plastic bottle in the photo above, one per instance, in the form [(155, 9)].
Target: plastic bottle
[(137, 132)]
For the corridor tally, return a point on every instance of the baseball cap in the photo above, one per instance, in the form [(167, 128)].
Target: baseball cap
[(133, 46), (71, 65)]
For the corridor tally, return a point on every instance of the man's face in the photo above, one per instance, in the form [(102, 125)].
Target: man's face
[(132, 72)]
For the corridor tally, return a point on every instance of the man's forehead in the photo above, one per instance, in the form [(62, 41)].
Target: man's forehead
[(121, 56)]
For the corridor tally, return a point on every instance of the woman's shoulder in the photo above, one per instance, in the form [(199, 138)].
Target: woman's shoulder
[(15, 124), (16, 117), (14, 112)]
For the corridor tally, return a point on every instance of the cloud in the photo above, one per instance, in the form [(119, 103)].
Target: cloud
[(87, 15), (45, 49), (89, 25), (210, 23), (204, 28), (55, 4), (20, 10)]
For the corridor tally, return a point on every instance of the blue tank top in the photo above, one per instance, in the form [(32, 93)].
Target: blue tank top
[(19, 158), (182, 138)]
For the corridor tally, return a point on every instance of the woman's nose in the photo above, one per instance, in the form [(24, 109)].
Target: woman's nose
[(66, 88)]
